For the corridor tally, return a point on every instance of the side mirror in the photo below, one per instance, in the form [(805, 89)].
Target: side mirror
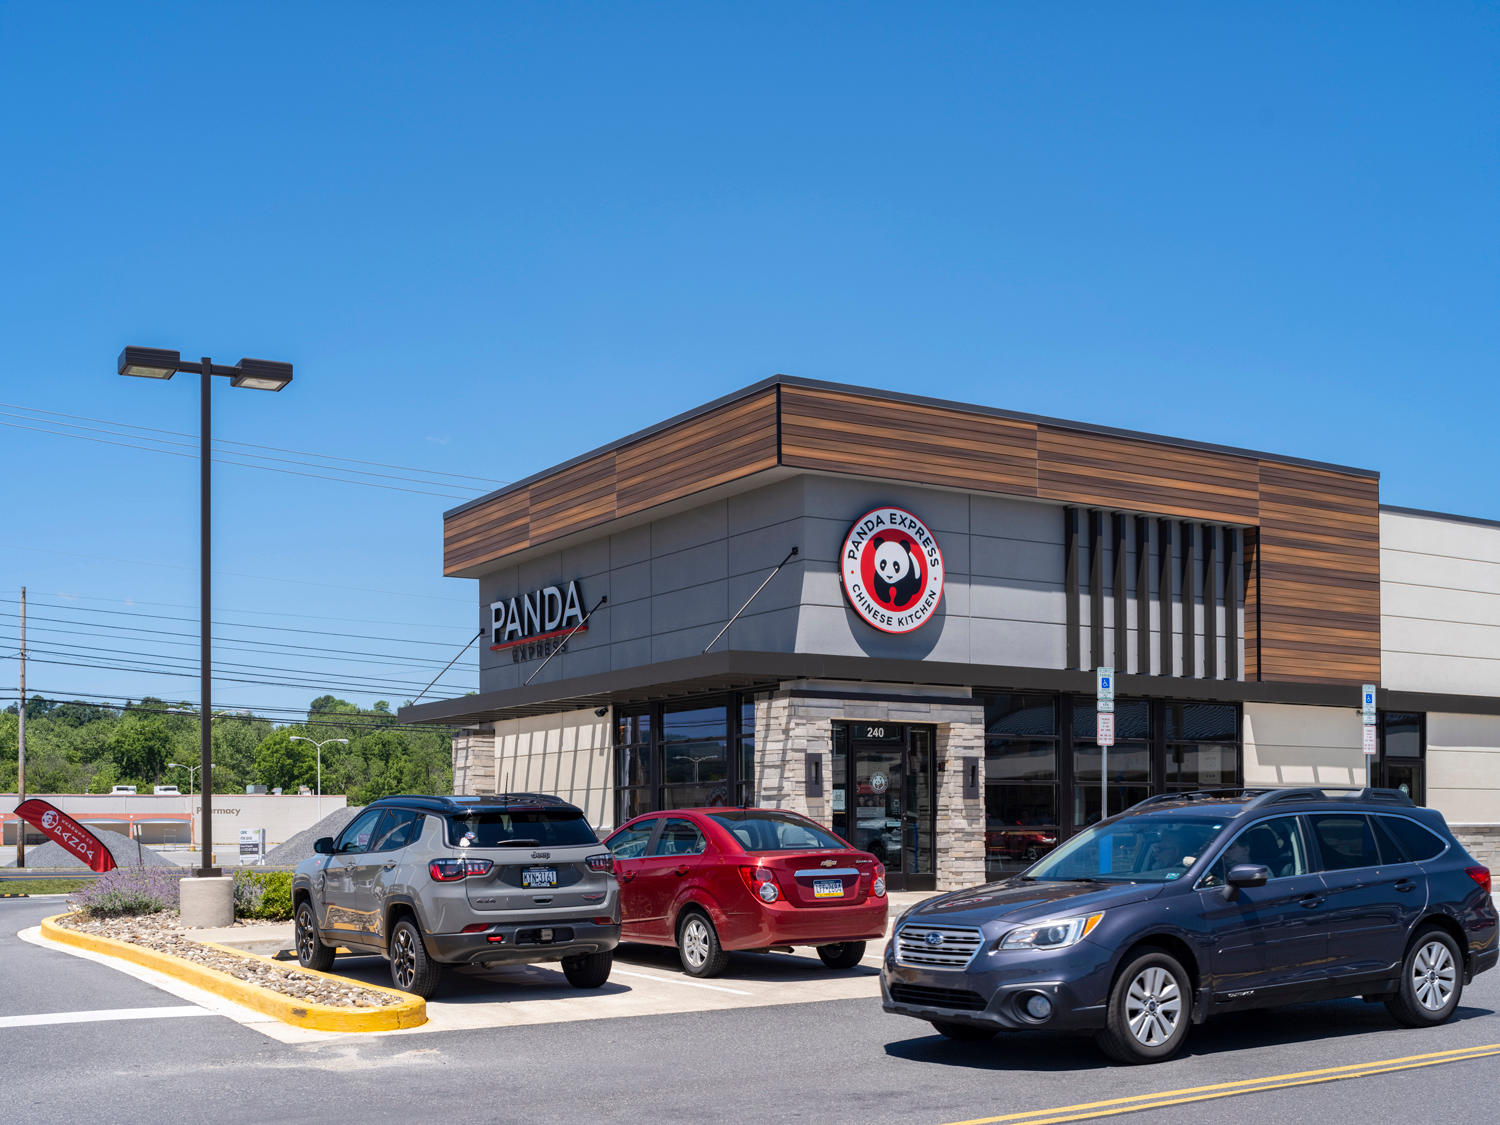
[(323, 845), (1248, 875)]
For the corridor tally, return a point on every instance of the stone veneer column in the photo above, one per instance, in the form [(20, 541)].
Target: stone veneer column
[(788, 729), (474, 761)]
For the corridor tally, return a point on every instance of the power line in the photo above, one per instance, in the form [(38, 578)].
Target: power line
[(253, 445), (48, 647), (98, 698), (236, 644), (194, 445), (360, 721), (67, 599), (445, 645), (235, 573), (241, 464), (192, 675)]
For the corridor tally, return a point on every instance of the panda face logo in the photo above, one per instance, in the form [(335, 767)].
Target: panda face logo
[(892, 570), (898, 572)]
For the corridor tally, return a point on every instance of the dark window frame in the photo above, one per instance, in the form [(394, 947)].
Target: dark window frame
[(739, 775)]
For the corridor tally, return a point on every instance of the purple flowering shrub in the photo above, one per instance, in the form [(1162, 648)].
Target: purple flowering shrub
[(130, 890)]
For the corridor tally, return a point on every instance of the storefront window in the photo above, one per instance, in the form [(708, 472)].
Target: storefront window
[(695, 755), (684, 755), (1129, 759), (1021, 781), (1202, 746)]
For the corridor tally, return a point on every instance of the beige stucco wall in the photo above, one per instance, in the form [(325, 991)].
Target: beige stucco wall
[(566, 755), (1291, 745), (1463, 767)]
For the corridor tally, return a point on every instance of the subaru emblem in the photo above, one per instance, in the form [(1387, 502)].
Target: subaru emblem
[(933, 938)]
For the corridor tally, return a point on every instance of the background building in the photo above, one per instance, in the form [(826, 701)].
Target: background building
[(1242, 598)]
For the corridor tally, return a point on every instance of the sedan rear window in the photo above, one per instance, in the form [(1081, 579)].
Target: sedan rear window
[(519, 828), (776, 832)]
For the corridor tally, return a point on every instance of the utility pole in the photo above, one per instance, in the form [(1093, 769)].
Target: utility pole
[(21, 742)]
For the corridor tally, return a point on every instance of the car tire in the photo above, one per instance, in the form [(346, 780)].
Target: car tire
[(698, 946), (843, 955), (588, 970), (1150, 1008), (412, 970), (311, 952), (963, 1032), (1432, 981)]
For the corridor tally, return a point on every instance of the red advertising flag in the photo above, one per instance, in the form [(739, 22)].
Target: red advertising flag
[(67, 832)]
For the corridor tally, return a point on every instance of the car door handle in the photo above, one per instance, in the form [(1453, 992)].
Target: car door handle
[(387, 867), (626, 876), (1311, 901), (683, 869), (1404, 885)]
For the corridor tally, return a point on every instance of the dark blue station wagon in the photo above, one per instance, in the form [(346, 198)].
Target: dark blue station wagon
[(1189, 904)]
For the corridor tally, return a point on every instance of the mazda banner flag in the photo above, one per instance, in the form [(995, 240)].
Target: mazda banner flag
[(67, 832)]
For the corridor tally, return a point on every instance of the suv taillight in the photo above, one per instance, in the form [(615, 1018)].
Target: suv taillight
[(451, 870), (1480, 875), (604, 862), (762, 883)]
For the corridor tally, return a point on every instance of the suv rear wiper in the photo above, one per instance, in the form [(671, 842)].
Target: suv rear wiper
[(518, 842)]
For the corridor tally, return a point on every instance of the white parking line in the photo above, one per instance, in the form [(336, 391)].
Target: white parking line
[(688, 983), (105, 1015)]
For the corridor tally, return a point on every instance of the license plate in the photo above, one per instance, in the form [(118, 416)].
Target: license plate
[(539, 877), (828, 888)]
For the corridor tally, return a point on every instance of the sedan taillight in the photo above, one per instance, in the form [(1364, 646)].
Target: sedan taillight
[(762, 883), (879, 887), (451, 870), (1480, 875), (603, 862)]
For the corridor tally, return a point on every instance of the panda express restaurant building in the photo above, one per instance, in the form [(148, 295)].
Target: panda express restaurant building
[(919, 673)]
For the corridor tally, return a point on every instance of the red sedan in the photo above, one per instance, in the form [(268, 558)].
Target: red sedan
[(713, 880)]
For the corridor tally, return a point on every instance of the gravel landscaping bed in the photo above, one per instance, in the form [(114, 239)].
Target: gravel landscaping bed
[(162, 933)]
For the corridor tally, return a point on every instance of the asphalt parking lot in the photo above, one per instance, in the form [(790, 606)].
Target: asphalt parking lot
[(122, 1048)]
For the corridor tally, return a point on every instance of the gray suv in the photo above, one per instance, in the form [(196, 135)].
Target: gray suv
[(1192, 904), (517, 878)]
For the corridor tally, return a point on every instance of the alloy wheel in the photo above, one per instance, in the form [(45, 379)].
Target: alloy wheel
[(403, 959), (695, 941), (1433, 974), (1153, 1006), (305, 934)]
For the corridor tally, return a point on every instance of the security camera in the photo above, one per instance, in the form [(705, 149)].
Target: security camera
[(601, 711)]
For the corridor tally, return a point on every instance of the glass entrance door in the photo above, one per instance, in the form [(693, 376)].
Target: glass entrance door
[(883, 783)]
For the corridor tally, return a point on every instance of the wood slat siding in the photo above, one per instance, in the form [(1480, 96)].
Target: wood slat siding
[(1311, 541), (722, 445), (847, 433), (1317, 600), (1143, 476)]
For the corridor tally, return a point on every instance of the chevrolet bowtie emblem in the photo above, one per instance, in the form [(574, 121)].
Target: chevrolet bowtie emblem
[(829, 862)]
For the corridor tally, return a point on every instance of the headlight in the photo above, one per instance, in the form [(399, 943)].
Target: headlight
[(1054, 933)]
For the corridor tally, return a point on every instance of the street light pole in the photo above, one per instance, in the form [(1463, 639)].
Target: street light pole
[(206, 869), (257, 374), (319, 745)]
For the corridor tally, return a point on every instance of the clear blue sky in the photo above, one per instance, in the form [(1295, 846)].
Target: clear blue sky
[(493, 236)]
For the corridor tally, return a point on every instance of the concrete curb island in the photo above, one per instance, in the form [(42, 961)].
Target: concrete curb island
[(410, 1012)]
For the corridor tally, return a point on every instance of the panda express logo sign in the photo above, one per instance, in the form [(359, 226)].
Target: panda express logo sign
[(893, 570)]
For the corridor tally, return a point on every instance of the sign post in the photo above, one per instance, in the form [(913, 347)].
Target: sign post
[(1370, 742), (1104, 718)]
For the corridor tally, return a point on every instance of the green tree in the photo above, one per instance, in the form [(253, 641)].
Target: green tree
[(280, 762), (141, 749)]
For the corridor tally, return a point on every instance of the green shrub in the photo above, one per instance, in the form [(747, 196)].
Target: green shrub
[(129, 890), (263, 894)]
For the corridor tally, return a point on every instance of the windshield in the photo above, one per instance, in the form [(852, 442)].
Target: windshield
[(1138, 849), (520, 828), (776, 832)]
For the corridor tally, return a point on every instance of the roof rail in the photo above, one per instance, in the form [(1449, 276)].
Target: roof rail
[(1193, 795), (482, 800), (1321, 793)]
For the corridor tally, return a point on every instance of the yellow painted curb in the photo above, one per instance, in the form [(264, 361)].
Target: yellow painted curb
[(410, 1012)]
